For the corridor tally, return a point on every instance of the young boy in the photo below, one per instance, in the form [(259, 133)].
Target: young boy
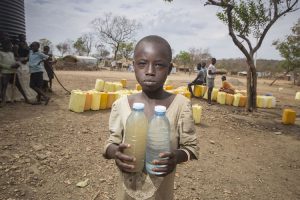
[(199, 80), (49, 69), (36, 71), (8, 67), (152, 65), (226, 86), (211, 74)]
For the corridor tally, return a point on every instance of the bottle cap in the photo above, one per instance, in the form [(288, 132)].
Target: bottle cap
[(160, 109), (138, 106)]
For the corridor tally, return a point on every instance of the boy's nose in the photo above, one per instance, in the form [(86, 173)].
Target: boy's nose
[(150, 71)]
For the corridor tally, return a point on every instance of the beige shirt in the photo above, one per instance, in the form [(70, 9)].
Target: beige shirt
[(182, 136)]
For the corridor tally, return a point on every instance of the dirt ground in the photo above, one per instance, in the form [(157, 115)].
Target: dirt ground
[(46, 150)]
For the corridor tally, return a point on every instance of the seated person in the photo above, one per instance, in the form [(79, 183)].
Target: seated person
[(199, 80), (226, 86)]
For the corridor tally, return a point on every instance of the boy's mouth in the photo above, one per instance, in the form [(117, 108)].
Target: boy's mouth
[(149, 82)]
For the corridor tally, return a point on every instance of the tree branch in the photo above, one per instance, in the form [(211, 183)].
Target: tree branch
[(248, 42), (271, 22)]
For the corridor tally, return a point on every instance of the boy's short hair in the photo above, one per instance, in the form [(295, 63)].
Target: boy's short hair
[(155, 39), (37, 43)]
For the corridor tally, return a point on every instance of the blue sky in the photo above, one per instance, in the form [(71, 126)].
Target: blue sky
[(185, 24)]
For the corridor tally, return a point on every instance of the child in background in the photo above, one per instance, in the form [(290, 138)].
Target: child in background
[(226, 86), (49, 69), (152, 65), (8, 67), (36, 71)]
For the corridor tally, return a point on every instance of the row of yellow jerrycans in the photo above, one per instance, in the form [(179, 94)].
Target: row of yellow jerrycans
[(81, 101), (105, 86), (138, 87), (180, 90), (233, 99)]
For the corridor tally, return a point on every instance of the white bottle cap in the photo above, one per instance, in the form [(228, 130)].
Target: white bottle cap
[(160, 109), (138, 106)]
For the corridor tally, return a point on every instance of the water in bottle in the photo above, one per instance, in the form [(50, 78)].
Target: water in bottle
[(136, 135), (158, 139)]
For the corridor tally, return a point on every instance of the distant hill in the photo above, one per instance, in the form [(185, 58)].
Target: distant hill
[(239, 64)]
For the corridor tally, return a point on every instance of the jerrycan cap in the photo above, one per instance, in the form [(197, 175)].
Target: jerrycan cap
[(160, 109), (138, 106)]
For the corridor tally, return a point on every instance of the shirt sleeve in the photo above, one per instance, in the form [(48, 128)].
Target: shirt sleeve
[(43, 56), (187, 135), (2, 64), (115, 127)]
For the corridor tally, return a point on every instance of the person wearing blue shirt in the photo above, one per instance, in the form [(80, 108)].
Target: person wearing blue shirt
[(199, 80), (36, 59)]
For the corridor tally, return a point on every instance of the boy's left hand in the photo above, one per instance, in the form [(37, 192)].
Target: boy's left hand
[(169, 159)]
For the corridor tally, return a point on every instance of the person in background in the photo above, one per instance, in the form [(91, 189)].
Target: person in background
[(226, 86), (36, 68), (211, 74), (205, 71), (199, 80), (8, 68), (49, 69)]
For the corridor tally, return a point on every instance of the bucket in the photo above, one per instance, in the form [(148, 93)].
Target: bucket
[(288, 116), (221, 99), (99, 85), (88, 101), (197, 112), (103, 101), (95, 100), (229, 99), (111, 97), (124, 83), (243, 101), (78, 101), (138, 87), (236, 99), (197, 90), (297, 96)]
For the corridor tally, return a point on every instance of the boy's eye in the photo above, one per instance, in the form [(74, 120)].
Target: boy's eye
[(159, 65), (141, 64)]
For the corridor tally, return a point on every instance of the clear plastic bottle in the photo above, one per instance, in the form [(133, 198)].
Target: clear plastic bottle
[(136, 135), (158, 139)]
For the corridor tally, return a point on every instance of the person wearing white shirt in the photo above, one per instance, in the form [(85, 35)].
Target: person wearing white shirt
[(210, 78)]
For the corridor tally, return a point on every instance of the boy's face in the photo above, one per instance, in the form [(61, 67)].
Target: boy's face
[(151, 65), (35, 47)]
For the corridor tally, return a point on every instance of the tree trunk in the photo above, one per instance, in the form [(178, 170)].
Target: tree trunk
[(251, 87), (116, 51)]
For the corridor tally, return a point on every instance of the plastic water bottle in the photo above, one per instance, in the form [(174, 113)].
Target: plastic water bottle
[(158, 139), (136, 135)]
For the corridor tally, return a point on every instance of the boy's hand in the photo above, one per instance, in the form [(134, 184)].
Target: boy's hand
[(15, 66), (170, 161), (123, 161)]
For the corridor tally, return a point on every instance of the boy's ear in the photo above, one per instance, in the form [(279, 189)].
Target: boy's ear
[(170, 68)]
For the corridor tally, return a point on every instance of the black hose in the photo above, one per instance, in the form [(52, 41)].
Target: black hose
[(59, 81)]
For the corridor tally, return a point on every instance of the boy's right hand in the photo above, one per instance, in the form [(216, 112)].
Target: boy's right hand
[(122, 160), (15, 66)]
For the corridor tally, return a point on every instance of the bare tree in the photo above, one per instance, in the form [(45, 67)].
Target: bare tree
[(198, 55), (65, 47), (88, 39), (114, 30)]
